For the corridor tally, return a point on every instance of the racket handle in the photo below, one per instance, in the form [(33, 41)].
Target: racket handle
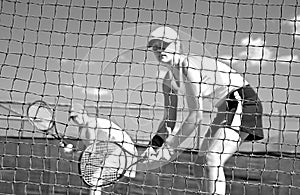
[(62, 144)]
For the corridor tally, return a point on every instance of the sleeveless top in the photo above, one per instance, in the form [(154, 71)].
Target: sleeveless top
[(215, 79)]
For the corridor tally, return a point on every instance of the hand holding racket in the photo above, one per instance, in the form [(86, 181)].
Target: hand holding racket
[(165, 152)]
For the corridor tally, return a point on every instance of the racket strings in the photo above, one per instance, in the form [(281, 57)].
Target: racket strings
[(108, 176), (40, 115), (99, 164)]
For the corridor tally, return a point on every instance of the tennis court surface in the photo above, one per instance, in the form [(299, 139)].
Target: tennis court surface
[(38, 166), (41, 172)]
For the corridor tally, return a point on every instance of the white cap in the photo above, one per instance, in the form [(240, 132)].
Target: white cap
[(163, 33)]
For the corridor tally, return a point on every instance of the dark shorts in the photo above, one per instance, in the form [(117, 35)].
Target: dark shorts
[(244, 113)]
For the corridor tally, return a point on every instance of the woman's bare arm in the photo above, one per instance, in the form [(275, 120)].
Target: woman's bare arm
[(170, 112)]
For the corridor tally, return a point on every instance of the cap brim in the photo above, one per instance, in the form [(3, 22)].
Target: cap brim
[(152, 41)]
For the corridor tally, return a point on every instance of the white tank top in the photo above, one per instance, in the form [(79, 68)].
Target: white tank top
[(216, 79)]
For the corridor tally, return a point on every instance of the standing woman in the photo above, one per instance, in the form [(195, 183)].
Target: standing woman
[(204, 78)]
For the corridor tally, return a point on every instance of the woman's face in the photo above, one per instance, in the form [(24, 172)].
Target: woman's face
[(164, 52)]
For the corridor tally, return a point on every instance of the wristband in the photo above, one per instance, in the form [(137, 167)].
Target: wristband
[(157, 141)]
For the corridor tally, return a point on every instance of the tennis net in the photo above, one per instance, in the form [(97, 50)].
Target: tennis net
[(94, 53)]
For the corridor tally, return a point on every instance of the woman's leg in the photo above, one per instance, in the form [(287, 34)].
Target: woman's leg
[(225, 143)]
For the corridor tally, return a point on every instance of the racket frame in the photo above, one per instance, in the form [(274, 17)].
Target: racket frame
[(127, 154), (52, 121)]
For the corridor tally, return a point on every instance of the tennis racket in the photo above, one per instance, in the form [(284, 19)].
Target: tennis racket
[(105, 162), (42, 116)]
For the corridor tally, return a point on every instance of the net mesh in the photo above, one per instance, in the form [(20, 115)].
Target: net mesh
[(93, 53)]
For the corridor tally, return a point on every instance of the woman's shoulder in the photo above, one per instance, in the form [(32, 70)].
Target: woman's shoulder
[(200, 62), (207, 63)]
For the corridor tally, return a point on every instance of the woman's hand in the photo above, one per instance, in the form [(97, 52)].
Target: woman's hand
[(150, 153), (163, 153)]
